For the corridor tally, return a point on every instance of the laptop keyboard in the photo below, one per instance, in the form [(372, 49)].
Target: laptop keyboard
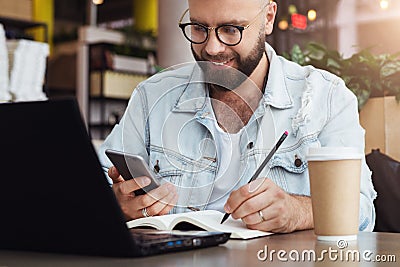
[(152, 241), (153, 236)]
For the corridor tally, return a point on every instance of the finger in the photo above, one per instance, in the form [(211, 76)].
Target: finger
[(238, 197), (129, 186), (255, 217), (160, 205), (138, 203), (155, 195), (253, 205), (170, 206), (274, 225), (256, 185), (114, 175), (155, 200)]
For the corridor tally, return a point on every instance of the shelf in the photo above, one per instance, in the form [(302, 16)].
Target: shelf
[(106, 79), (113, 84), (18, 24), (95, 35), (21, 24)]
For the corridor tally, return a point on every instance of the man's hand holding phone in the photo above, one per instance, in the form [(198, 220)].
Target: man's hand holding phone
[(157, 201)]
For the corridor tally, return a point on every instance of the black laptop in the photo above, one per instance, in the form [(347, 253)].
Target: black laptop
[(54, 196)]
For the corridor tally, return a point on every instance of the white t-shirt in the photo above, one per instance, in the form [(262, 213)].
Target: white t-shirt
[(228, 152)]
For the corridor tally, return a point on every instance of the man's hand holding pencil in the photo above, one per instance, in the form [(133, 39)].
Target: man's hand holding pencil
[(263, 205)]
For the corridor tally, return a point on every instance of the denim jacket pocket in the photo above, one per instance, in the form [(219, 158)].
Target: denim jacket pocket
[(289, 168), (172, 176), (192, 178)]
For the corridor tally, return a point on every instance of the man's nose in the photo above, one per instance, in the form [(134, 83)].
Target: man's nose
[(213, 45)]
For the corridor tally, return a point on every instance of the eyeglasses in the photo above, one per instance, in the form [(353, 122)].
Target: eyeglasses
[(227, 34)]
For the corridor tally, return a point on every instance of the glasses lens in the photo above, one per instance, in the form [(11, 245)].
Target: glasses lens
[(196, 33), (229, 35)]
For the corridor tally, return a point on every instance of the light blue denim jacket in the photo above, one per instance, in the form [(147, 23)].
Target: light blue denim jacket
[(168, 122)]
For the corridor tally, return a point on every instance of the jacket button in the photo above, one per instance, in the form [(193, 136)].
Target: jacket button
[(250, 145), (157, 167), (297, 162)]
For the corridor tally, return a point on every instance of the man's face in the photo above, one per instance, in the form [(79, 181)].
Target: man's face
[(227, 64)]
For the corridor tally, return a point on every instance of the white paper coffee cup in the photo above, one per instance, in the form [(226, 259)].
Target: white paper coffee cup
[(335, 191)]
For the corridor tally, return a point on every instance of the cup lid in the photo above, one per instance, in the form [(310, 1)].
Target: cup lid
[(333, 153)]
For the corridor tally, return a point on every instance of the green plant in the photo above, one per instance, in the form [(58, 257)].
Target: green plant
[(137, 43), (365, 74)]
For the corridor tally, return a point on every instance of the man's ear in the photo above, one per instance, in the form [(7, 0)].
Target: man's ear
[(270, 17)]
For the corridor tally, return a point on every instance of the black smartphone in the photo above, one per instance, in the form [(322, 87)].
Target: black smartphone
[(130, 166)]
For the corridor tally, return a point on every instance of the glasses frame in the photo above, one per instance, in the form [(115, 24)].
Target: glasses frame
[(216, 29)]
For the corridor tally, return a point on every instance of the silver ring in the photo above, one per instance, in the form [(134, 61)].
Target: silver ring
[(261, 216), (144, 212)]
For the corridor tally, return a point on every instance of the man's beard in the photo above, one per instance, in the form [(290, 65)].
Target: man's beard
[(231, 78)]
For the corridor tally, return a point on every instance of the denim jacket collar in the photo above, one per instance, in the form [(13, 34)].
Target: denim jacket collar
[(193, 97), (276, 93)]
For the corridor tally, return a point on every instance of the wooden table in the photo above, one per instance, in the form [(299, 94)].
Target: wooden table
[(296, 249)]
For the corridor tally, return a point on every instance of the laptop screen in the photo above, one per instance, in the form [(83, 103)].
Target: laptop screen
[(53, 193), (54, 196)]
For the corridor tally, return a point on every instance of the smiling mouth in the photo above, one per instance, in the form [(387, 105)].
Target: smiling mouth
[(220, 63), (223, 63)]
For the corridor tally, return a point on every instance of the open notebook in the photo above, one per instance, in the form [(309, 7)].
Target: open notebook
[(208, 220)]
